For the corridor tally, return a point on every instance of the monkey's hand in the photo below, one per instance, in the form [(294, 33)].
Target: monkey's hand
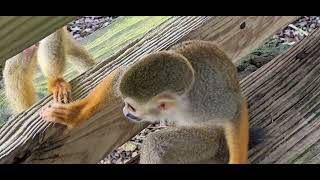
[(60, 89), (78, 111), (70, 115)]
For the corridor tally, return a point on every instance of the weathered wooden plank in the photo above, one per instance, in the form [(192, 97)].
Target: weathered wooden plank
[(237, 35), (284, 98), (20, 32), (107, 129)]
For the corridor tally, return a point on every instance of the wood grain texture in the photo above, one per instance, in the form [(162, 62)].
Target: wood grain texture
[(24, 138), (238, 35), (20, 32), (284, 98)]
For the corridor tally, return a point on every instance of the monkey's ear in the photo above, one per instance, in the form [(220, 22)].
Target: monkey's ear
[(166, 101)]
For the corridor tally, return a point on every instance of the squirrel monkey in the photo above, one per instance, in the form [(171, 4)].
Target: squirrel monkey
[(51, 53), (193, 86)]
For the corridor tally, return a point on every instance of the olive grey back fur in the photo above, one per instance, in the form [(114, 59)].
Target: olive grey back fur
[(215, 94)]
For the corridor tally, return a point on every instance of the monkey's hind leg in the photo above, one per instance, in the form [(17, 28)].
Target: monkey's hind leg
[(52, 59), (237, 136)]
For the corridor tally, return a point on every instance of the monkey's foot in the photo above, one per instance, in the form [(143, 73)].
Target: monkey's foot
[(61, 90), (67, 114)]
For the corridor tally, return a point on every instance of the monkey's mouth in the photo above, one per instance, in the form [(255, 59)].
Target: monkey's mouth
[(132, 117)]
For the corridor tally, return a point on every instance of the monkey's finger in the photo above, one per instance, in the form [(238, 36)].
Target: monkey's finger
[(60, 95), (56, 120), (55, 96), (56, 111), (69, 95), (59, 106), (54, 117), (65, 96), (66, 109)]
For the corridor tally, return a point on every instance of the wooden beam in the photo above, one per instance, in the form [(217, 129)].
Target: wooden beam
[(284, 100), (20, 32), (23, 139), (237, 36)]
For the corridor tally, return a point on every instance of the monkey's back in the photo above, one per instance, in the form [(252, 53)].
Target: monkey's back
[(216, 91)]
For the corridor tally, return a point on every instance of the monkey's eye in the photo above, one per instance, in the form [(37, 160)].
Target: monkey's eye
[(131, 108), (162, 106)]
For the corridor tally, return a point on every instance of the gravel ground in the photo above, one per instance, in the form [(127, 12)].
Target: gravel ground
[(86, 25), (281, 41)]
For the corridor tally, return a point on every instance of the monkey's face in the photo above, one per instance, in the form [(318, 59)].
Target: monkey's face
[(161, 107)]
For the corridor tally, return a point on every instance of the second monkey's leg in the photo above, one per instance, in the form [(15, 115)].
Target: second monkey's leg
[(52, 60)]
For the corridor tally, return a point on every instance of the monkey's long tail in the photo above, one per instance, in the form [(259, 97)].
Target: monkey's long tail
[(17, 74), (256, 136)]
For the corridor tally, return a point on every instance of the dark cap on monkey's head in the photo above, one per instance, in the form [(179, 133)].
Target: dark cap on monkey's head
[(156, 73)]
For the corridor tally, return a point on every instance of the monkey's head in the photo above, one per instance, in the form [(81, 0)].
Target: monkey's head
[(152, 89)]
